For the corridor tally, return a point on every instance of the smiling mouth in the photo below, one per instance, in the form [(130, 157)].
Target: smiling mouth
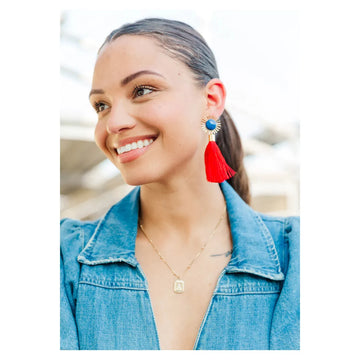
[(134, 145)]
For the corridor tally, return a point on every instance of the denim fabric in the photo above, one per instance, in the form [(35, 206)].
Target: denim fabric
[(105, 302)]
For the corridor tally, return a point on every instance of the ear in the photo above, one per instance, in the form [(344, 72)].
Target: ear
[(215, 98)]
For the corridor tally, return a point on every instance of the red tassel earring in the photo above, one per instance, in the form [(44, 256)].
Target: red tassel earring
[(217, 170)]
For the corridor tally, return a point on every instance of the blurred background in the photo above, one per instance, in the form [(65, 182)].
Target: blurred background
[(257, 56)]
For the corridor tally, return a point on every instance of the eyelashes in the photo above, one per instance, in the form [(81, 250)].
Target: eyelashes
[(100, 106), (141, 90), (138, 91)]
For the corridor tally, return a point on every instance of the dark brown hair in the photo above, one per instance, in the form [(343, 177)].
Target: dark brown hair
[(182, 42)]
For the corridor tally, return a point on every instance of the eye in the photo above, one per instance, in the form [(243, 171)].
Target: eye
[(142, 90), (100, 106)]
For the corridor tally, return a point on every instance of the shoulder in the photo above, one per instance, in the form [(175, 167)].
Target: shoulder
[(289, 226), (285, 232), (74, 235), (285, 327)]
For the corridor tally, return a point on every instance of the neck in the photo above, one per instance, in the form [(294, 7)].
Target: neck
[(182, 210)]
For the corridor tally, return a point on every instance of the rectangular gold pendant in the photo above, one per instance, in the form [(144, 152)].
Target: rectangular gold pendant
[(179, 286)]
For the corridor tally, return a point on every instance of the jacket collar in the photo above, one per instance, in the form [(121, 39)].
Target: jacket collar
[(254, 249), (253, 246)]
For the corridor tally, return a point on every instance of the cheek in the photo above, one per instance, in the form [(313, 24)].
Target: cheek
[(100, 136), (173, 115)]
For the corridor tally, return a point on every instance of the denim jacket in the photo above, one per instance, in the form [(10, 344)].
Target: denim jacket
[(105, 302)]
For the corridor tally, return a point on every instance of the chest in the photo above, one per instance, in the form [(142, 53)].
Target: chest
[(118, 309), (179, 315)]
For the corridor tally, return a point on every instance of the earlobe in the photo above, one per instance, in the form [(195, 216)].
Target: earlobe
[(216, 95)]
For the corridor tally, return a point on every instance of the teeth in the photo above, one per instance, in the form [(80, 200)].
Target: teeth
[(135, 145)]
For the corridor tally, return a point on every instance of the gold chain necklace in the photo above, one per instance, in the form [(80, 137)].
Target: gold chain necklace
[(179, 284)]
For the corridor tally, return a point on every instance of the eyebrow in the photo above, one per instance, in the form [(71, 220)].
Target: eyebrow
[(127, 79), (135, 75), (96, 91)]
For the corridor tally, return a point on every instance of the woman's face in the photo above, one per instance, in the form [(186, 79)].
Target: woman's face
[(149, 112)]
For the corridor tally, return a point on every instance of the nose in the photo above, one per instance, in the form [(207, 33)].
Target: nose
[(119, 119)]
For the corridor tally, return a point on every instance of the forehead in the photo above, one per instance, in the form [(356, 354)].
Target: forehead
[(131, 53), (126, 45)]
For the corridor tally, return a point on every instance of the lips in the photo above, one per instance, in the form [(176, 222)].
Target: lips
[(134, 145), (131, 148)]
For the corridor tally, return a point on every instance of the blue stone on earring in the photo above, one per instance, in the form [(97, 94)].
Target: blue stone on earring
[(210, 124)]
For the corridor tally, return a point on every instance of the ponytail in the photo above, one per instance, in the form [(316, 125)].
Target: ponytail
[(229, 142)]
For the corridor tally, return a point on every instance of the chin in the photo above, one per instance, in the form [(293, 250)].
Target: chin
[(137, 180)]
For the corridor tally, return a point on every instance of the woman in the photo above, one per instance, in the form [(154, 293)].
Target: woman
[(181, 262)]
